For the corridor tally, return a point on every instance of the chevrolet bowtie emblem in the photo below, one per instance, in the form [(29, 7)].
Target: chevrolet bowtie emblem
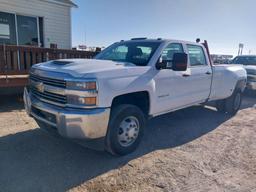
[(40, 87)]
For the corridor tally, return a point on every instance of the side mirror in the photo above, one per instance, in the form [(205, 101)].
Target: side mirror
[(180, 62)]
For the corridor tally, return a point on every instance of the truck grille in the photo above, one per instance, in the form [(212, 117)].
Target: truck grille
[(48, 81), (46, 95), (251, 78), (52, 97), (251, 71)]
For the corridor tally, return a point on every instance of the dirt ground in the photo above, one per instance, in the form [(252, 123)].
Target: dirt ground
[(196, 149)]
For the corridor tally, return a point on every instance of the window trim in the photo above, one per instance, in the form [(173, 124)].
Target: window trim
[(201, 65), (170, 43), (177, 43)]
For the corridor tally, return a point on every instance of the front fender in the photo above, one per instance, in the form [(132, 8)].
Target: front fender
[(113, 87)]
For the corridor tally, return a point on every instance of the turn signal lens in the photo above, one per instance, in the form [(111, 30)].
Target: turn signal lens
[(82, 101), (88, 100), (91, 86)]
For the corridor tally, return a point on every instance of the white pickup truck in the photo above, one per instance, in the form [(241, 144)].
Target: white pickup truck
[(249, 63), (112, 95)]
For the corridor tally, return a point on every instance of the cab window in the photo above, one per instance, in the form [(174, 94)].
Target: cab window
[(196, 55), (168, 52), (136, 52)]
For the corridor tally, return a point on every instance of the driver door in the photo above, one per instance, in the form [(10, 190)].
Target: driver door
[(172, 87)]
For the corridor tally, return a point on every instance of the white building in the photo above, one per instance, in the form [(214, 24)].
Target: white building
[(36, 22)]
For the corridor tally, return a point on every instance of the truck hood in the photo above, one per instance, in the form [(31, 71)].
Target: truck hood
[(87, 67)]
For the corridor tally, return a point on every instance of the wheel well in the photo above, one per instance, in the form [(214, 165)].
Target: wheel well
[(139, 99)]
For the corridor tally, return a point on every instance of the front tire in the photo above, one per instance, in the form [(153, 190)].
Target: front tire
[(125, 130)]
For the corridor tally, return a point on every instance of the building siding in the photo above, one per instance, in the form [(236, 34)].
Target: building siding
[(56, 17)]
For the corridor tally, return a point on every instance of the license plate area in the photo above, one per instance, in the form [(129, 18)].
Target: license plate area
[(45, 115)]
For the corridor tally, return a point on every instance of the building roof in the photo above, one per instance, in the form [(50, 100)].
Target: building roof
[(66, 2)]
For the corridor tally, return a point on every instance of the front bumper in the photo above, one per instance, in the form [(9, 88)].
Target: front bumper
[(251, 85), (70, 123)]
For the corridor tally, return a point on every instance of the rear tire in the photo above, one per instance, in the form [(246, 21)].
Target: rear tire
[(230, 105), (233, 103), (125, 129)]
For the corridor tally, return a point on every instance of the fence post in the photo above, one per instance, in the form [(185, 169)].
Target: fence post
[(5, 63), (18, 57), (2, 64)]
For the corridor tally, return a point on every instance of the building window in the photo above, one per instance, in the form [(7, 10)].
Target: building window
[(21, 30), (4, 31), (27, 30), (7, 28), (41, 31)]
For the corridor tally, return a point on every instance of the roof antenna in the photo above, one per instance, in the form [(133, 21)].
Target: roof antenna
[(198, 40)]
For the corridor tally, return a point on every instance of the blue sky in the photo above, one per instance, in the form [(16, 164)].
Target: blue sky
[(224, 23)]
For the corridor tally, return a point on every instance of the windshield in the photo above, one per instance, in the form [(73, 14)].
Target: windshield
[(250, 60), (138, 53)]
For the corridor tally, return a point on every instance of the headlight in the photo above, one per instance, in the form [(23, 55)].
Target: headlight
[(79, 85), (89, 95)]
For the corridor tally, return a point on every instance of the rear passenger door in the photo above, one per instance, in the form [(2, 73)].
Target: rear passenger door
[(200, 73)]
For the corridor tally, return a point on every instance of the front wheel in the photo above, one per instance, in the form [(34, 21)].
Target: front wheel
[(125, 129)]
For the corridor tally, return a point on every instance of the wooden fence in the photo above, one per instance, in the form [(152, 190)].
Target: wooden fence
[(18, 59), (15, 61)]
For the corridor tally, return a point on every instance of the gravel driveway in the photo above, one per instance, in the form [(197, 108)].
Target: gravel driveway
[(197, 149)]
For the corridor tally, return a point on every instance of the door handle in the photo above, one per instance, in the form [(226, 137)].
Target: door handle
[(185, 75), (208, 73)]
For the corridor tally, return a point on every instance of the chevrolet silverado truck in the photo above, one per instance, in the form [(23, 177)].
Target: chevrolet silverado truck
[(112, 95), (249, 63)]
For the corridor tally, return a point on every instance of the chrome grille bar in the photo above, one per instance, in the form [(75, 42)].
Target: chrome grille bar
[(48, 81), (251, 78), (49, 96)]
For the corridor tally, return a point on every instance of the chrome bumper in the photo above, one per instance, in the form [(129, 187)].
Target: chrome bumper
[(70, 123), (251, 85)]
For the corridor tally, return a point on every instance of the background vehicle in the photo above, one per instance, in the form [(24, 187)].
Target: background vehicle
[(114, 94), (249, 62)]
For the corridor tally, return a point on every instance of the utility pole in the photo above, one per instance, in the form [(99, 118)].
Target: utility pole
[(240, 48), (85, 37)]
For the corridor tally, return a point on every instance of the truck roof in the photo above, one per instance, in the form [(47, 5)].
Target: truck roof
[(144, 39), (246, 56)]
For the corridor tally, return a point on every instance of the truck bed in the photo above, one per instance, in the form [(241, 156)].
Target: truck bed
[(223, 80)]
